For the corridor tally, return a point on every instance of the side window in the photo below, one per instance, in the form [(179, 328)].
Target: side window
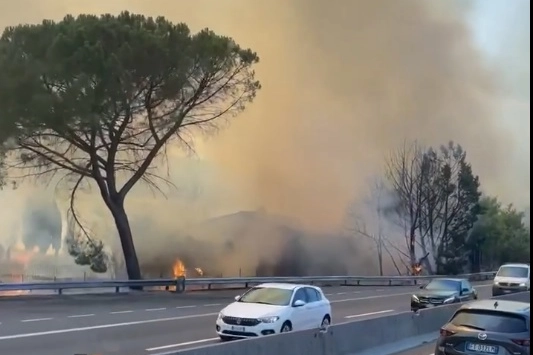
[(318, 295), (312, 295), (300, 295), (466, 285)]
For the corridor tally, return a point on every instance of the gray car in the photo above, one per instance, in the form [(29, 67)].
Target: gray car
[(487, 327)]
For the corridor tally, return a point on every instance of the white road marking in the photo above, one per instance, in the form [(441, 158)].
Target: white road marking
[(120, 312), (369, 314), (101, 326), (370, 297), (212, 305), (342, 293), (81, 315), (181, 344), (182, 307), (154, 309), (35, 320)]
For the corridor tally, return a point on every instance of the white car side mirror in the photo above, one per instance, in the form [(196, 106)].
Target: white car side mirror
[(238, 297), (298, 303)]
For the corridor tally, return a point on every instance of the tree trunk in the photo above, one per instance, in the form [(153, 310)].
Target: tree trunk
[(380, 256), (126, 240), (412, 246)]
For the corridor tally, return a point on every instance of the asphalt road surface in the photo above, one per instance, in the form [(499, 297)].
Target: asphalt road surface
[(426, 349), (155, 324)]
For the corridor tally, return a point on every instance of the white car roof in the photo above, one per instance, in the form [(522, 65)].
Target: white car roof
[(516, 265), (285, 286)]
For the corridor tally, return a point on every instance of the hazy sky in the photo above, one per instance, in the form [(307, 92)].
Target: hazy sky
[(500, 28)]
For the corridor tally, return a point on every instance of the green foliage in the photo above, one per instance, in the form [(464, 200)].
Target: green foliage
[(459, 208), (87, 252), (500, 235), (99, 98)]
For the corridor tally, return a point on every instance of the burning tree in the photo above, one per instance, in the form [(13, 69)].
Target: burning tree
[(100, 98), (437, 203)]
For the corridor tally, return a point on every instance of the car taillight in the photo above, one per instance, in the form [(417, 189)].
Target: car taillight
[(521, 342), (446, 333)]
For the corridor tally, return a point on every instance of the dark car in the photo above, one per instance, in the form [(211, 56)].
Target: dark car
[(439, 292), (487, 327)]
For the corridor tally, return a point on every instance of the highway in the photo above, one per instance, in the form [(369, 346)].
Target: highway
[(426, 349), (156, 323)]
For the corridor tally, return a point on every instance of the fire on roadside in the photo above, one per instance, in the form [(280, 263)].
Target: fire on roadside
[(179, 269)]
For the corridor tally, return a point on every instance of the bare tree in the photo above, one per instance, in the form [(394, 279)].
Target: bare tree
[(404, 176)]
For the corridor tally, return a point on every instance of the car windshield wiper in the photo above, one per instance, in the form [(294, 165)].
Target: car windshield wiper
[(470, 326), (258, 302)]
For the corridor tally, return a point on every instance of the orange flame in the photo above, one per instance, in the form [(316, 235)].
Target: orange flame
[(178, 269)]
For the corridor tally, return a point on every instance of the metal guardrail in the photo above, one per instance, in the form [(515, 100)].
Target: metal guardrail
[(181, 283)]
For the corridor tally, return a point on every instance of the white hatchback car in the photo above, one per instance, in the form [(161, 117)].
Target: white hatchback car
[(274, 308)]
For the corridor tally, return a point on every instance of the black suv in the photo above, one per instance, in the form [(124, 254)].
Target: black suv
[(487, 327)]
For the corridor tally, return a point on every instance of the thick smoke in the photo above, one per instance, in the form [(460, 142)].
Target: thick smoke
[(344, 82), (41, 224)]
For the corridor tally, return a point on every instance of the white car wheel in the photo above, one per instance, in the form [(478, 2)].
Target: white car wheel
[(286, 327)]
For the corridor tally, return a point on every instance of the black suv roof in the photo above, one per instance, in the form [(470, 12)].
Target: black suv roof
[(502, 305)]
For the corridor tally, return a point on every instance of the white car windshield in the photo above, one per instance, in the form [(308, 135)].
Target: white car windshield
[(513, 271), (267, 295)]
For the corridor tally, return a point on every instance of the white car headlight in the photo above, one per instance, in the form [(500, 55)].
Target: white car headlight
[(522, 284), (220, 315), (272, 319), (415, 298), (449, 300)]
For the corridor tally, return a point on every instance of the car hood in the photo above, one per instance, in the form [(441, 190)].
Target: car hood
[(251, 310), (510, 279), (436, 293)]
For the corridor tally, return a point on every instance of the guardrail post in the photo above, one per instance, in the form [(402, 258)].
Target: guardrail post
[(180, 284), (117, 289), (59, 291)]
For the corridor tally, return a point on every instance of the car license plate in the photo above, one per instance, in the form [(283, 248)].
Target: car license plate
[(506, 291), (237, 329), (482, 348)]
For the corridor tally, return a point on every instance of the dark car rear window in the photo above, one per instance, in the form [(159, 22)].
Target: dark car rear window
[(491, 321)]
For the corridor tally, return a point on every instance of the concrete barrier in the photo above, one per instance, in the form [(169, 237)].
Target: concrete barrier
[(346, 338)]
